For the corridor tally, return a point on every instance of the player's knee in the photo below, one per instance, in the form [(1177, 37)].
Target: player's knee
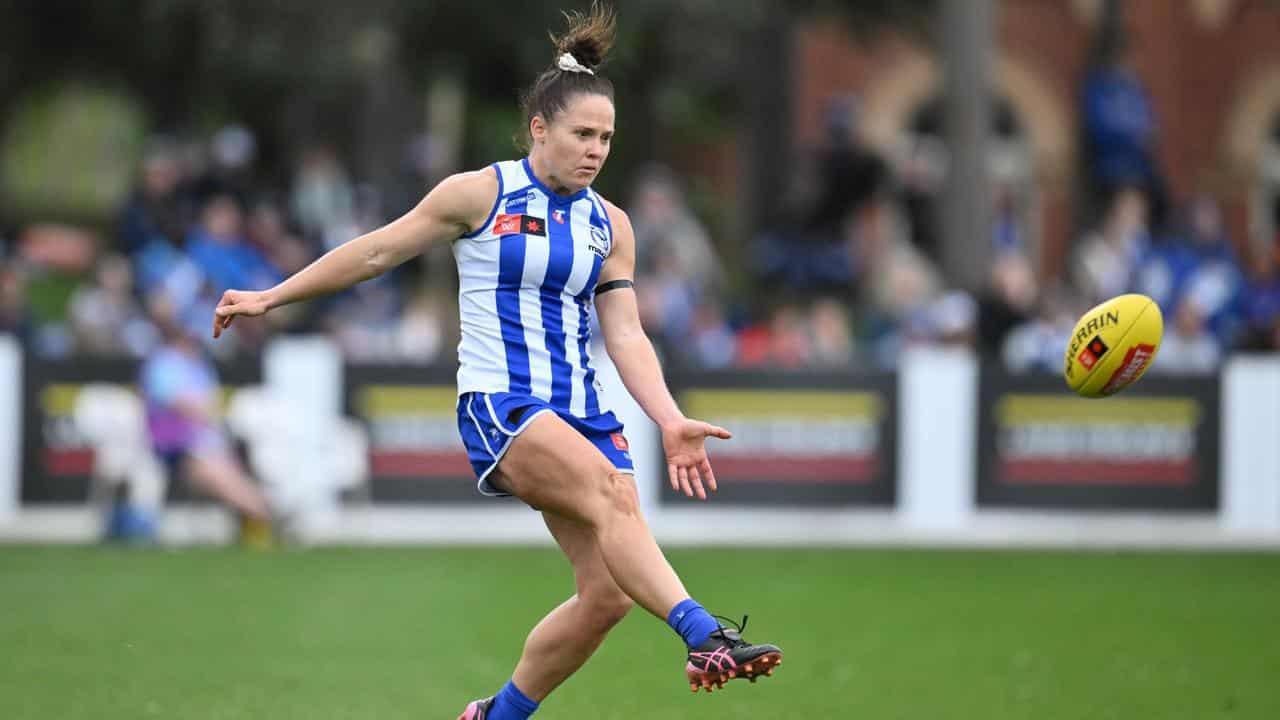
[(620, 494), (609, 496)]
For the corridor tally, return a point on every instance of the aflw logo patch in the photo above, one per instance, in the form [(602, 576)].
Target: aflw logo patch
[(519, 224)]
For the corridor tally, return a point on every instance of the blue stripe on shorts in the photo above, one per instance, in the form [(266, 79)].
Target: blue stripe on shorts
[(485, 421)]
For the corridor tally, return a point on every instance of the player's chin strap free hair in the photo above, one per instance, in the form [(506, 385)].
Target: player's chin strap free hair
[(568, 63), (614, 285)]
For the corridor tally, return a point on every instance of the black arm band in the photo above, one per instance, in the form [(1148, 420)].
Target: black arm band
[(614, 285)]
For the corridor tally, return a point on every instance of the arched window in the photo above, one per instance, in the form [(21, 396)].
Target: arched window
[(921, 160)]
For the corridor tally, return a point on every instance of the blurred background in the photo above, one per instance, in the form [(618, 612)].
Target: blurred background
[(822, 185), (864, 229)]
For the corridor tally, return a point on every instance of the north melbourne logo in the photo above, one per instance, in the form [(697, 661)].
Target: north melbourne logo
[(599, 243)]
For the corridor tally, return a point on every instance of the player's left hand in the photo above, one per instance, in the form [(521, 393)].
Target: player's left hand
[(687, 464)]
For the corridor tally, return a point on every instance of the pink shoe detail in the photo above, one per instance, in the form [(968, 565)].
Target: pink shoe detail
[(477, 709)]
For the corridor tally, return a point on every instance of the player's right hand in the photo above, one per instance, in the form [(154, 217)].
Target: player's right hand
[(238, 302), (684, 443)]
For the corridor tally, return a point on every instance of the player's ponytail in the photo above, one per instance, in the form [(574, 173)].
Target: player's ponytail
[(580, 50), (589, 37)]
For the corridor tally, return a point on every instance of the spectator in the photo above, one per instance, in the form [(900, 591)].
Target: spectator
[(222, 253), (323, 199), (181, 391), (667, 299), (1198, 263), (229, 169), (1105, 262), (1008, 302), (831, 338), (951, 319), (667, 231), (15, 316), (365, 321), (267, 232), (849, 174), (1188, 348), (895, 278), (420, 334), (1262, 305), (1217, 283), (677, 268), (920, 174), (105, 316), (805, 249), (781, 341), (1120, 128), (713, 342), (158, 210), (1040, 344)]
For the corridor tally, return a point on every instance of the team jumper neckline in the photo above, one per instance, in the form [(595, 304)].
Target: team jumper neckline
[(552, 195)]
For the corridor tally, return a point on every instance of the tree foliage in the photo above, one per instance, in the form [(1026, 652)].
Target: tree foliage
[(295, 69)]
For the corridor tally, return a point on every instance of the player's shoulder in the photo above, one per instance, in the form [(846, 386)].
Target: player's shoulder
[(480, 182), (466, 196)]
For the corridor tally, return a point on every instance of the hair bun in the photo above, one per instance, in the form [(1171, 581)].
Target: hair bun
[(589, 37)]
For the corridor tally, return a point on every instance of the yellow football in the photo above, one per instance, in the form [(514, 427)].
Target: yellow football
[(1113, 345)]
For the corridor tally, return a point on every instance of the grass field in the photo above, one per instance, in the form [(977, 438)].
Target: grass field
[(377, 633)]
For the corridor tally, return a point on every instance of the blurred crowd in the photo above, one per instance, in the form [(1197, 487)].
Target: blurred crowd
[(848, 272), (845, 274), (199, 221)]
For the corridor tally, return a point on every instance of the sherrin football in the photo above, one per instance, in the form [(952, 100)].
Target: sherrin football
[(1113, 345)]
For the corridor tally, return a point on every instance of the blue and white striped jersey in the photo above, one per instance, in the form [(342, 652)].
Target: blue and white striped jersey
[(527, 278)]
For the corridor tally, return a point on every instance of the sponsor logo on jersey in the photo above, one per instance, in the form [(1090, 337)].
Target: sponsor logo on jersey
[(619, 441), (508, 224), (516, 204)]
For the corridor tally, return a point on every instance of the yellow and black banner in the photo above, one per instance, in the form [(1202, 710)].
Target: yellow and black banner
[(799, 439), (415, 453), (1155, 446), (57, 459)]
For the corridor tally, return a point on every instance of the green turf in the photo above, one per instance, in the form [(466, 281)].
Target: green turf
[(376, 633)]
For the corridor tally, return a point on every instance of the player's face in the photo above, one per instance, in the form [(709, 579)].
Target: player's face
[(577, 141)]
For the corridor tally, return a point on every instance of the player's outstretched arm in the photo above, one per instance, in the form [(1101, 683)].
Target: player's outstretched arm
[(683, 439), (457, 205)]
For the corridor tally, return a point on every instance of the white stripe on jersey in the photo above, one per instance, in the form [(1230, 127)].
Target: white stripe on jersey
[(535, 335), (583, 263), (481, 344)]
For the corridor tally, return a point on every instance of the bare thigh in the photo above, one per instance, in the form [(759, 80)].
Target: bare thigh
[(553, 468)]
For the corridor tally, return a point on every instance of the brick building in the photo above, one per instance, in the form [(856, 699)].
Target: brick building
[(1211, 67)]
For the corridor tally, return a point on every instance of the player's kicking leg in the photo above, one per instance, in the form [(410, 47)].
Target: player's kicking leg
[(554, 468), (567, 637)]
